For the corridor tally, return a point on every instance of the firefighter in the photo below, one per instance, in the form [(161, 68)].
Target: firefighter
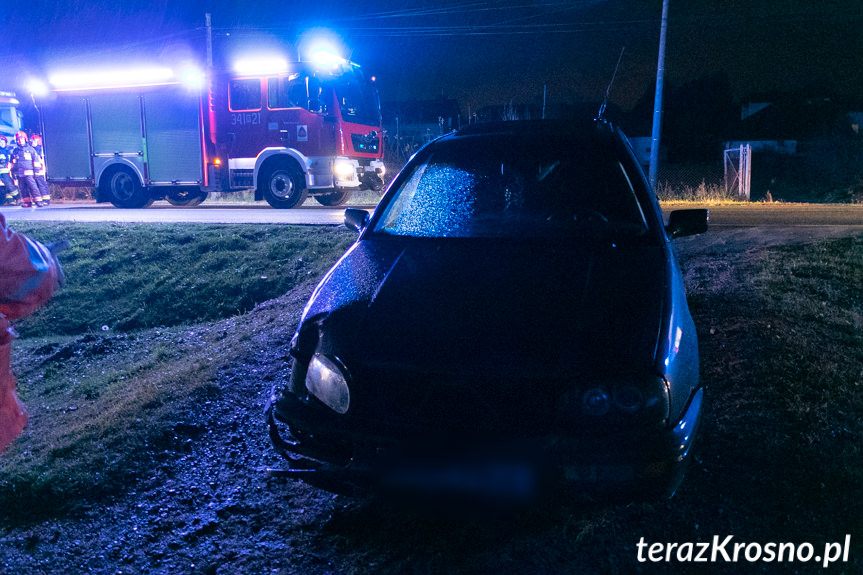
[(29, 274), (11, 188), (24, 164), (41, 181)]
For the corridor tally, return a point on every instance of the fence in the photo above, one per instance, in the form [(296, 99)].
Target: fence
[(738, 171)]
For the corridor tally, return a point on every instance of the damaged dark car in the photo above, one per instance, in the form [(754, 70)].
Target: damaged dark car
[(511, 322)]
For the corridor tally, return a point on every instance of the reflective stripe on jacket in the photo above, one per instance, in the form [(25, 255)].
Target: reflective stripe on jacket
[(40, 153), (24, 161)]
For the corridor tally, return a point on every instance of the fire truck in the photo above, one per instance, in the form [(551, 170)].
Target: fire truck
[(11, 117), (11, 120), (314, 129)]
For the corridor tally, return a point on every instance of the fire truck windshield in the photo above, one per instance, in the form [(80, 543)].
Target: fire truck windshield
[(358, 99), (9, 119)]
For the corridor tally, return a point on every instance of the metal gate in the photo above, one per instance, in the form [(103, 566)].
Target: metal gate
[(738, 171)]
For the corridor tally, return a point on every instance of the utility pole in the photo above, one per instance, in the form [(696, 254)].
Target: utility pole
[(544, 86), (209, 24), (657, 102)]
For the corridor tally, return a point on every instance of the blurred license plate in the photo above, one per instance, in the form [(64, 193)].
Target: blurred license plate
[(484, 479)]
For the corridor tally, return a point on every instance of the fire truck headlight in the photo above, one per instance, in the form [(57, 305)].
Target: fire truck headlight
[(344, 170)]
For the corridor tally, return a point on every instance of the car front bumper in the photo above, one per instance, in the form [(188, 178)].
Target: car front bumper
[(324, 450)]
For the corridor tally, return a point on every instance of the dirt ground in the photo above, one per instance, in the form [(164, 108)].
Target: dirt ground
[(721, 241), (210, 507)]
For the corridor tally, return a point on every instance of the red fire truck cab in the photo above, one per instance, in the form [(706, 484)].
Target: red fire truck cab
[(314, 130)]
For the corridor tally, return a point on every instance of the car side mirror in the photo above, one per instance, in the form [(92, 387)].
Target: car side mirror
[(356, 219), (687, 223)]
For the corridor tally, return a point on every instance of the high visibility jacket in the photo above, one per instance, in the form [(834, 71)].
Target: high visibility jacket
[(4, 161), (25, 161), (28, 278), (40, 153)]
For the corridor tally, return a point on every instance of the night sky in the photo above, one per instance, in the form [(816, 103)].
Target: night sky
[(481, 53)]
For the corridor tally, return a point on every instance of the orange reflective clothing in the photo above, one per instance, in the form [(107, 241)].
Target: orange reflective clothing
[(28, 278)]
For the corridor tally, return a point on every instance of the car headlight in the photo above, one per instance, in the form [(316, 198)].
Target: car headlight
[(595, 402), (637, 400), (344, 169), (327, 380)]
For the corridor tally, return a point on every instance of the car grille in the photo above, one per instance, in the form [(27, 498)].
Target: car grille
[(416, 400)]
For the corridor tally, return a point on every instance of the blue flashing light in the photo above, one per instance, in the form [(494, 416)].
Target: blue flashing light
[(328, 59)]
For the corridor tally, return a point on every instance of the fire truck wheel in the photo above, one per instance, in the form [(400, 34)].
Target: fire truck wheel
[(334, 199), (124, 190), (285, 186), (186, 198)]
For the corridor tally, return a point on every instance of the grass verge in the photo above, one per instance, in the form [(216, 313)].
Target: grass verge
[(127, 277), (179, 303)]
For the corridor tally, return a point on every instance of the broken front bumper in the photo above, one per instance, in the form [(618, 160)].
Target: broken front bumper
[(325, 451)]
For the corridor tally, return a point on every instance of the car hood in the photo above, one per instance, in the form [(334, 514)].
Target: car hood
[(490, 307)]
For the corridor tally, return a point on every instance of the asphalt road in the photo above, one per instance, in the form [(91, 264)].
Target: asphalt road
[(734, 215), (224, 213)]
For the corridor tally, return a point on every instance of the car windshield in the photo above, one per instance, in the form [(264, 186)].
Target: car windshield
[(526, 187)]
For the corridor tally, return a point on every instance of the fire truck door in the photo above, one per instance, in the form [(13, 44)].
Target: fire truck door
[(118, 135), (174, 140), (67, 142)]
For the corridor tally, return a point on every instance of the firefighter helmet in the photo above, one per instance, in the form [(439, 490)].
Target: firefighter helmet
[(21, 138), (35, 140)]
